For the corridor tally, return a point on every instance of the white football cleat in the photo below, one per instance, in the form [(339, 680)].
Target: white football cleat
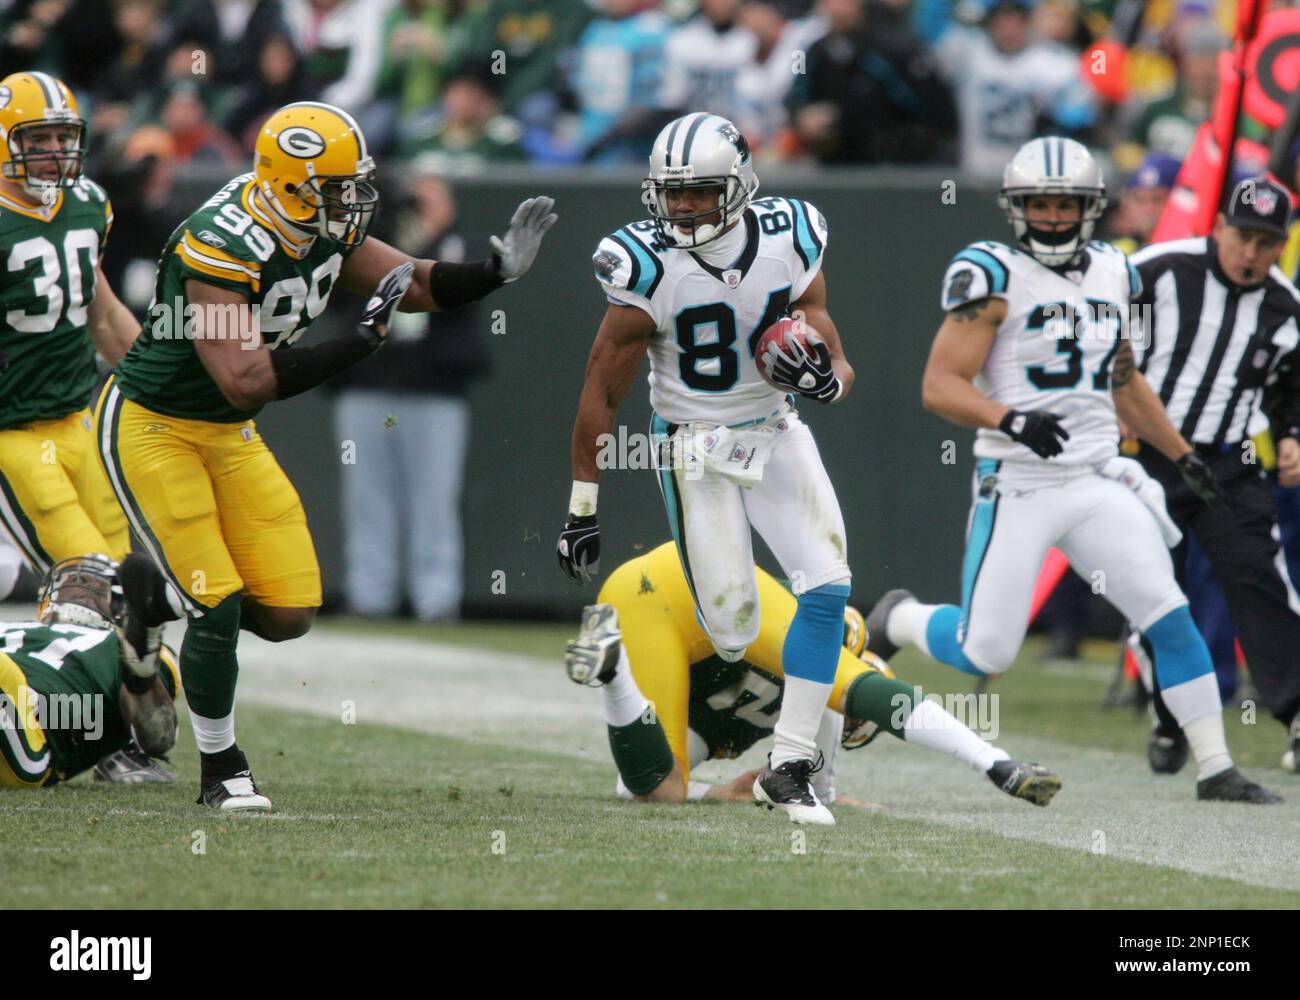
[(237, 794), (592, 658), (789, 788)]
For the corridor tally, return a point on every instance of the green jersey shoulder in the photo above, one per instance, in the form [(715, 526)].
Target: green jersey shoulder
[(231, 242)]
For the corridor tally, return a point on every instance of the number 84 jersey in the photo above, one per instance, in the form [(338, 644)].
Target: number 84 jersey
[(1056, 347), (232, 242), (708, 316)]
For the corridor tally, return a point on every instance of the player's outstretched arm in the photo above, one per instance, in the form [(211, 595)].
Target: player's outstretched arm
[(442, 285), (1140, 409), (811, 307), (957, 356), (615, 359), (113, 328)]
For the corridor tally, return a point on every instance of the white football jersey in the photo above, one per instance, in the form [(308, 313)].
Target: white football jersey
[(708, 320), (1056, 347)]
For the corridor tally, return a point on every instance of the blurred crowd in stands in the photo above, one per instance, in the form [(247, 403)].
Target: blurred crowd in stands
[(461, 85)]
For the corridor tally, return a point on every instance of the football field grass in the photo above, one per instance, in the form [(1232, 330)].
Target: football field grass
[(456, 766)]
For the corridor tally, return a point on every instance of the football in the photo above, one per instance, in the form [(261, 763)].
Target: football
[(787, 335)]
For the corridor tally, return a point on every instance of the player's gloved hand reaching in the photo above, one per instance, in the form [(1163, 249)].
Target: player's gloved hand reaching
[(1039, 431), (379, 310), (579, 547), (1201, 481), (807, 373), (516, 251)]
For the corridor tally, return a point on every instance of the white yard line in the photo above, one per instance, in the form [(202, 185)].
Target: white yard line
[(1109, 801)]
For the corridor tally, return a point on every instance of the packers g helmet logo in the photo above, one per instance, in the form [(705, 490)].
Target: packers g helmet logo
[(6, 95), (302, 142)]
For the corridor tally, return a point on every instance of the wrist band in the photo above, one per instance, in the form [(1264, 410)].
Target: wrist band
[(582, 499)]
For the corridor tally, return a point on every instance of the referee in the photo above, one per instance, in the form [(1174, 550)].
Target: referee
[(1218, 343)]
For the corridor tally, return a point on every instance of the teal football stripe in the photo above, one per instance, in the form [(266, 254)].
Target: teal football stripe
[(981, 532), (1134, 280), (672, 501), (996, 269), (650, 268), (808, 244)]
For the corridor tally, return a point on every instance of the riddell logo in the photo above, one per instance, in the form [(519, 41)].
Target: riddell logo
[(102, 954)]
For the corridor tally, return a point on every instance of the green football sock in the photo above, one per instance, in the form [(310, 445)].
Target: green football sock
[(209, 667), (641, 752), (883, 700)]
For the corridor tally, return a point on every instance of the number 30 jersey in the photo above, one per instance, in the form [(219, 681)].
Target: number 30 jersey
[(1056, 347), (708, 319), (231, 242), (48, 257)]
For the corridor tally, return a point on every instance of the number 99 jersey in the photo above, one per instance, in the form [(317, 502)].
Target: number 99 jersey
[(232, 242), (707, 318), (1055, 349)]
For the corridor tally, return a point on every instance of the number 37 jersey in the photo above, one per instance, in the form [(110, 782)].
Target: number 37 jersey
[(232, 242), (1056, 347), (708, 318)]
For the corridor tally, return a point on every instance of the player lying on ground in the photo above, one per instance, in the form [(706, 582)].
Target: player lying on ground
[(645, 645), (56, 310), (80, 681), (1035, 352), (248, 272)]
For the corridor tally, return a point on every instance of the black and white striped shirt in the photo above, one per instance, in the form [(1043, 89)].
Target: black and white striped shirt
[(1219, 355)]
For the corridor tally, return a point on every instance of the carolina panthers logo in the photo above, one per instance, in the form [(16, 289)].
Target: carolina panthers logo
[(6, 95), (302, 142), (959, 287), (733, 135), (605, 264)]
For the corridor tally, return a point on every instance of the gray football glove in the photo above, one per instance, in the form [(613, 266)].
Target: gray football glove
[(516, 251)]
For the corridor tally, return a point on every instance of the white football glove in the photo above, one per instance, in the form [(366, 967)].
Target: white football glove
[(517, 250)]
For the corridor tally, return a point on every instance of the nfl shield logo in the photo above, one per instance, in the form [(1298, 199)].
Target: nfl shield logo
[(1265, 200), (732, 278)]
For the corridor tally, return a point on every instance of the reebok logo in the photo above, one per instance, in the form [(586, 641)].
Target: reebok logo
[(102, 954)]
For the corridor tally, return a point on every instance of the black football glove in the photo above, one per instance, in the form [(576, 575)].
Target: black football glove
[(1039, 431), (1200, 480), (808, 374), (379, 310), (579, 548)]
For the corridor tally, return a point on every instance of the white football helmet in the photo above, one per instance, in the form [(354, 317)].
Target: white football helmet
[(1053, 165), (699, 150)]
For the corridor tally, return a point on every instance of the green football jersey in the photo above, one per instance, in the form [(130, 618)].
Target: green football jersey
[(77, 673), (230, 243), (48, 259), (733, 705)]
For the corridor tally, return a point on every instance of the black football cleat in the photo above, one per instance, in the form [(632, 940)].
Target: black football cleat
[(789, 789), (1233, 786), (877, 634), (1167, 751), (227, 784), (1031, 782), (1291, 759), (132, 766)]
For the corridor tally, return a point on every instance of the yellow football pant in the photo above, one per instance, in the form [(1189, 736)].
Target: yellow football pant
[(55, 500), (662, 636), (24, 758), (211, 504)]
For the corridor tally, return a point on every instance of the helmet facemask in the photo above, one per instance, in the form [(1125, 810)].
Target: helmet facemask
[(344, 206), (731, 206), (1061, 243), (68, 155), (82, 591)]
